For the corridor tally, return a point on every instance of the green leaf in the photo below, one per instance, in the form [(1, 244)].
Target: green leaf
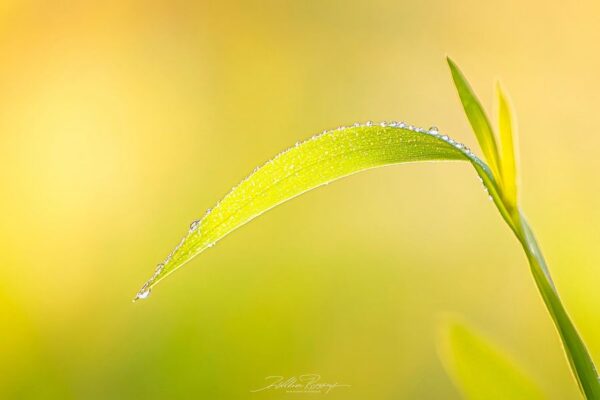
[(477, 117), (504, 196), (345, 151), (317, 161), (479, 368), (508, 159)]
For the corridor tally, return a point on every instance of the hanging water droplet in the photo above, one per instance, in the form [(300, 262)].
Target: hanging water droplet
[(433, 130), (210, 244), (161, 266), (368, 123), (410, 128), (445, 137), (383, 124), (401, 124), (194, 225), (143, 294), (356, 124)]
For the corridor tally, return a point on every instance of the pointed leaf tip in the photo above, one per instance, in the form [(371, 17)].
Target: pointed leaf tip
[(477, 117)]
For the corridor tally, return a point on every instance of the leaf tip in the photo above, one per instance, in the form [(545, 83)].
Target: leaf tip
[(453, 67), (144, 293)]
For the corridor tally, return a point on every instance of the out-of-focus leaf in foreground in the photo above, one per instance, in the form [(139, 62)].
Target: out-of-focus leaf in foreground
[(315, 162), (479, 368)]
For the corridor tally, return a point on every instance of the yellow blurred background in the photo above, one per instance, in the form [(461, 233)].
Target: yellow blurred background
[(122, 121)]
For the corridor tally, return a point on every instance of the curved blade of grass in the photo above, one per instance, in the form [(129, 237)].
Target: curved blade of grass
[(508, 159), (476, 115), (479, 368), (317, 161)]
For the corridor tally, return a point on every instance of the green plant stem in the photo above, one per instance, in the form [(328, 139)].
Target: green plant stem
[(579, 358), (580, 361)]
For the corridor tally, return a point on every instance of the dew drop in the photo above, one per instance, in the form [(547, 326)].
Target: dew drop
[(356, 124), (369, 123), (161, 266), (194, 225), (143, 294), (383, 124), (433, 130)]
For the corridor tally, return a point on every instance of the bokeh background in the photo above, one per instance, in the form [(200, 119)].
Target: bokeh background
[(122, 121)]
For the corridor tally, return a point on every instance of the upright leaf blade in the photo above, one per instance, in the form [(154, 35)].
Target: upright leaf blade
[(507, 141), (480, 369), (477, 117)]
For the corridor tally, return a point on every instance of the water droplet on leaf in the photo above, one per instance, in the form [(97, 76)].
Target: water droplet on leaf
[(143, 294)]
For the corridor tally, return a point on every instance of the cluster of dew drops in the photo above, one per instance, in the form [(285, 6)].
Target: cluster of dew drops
[(432, 131), (145, 291)]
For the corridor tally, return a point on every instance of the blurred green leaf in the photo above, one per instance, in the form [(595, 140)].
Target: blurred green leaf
[(479, 368)]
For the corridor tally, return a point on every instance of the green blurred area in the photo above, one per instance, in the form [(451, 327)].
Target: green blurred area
[(123, 121)]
